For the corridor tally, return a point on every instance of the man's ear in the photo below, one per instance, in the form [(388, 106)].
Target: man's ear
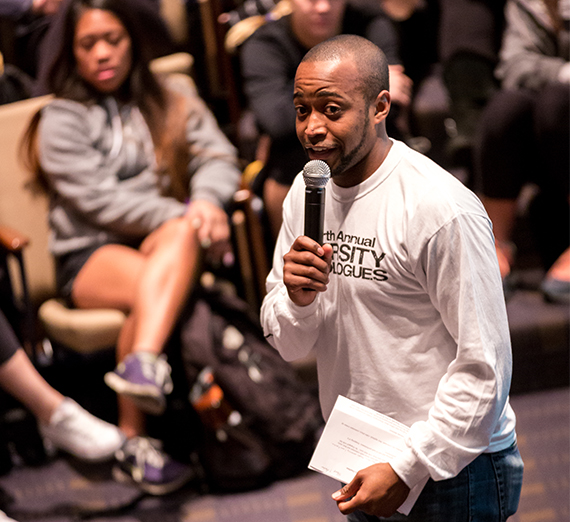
[(382, 106)]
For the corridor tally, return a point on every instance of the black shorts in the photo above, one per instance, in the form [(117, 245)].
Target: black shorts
[(67, 267)]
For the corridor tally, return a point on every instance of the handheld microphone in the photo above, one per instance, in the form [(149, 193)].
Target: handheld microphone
[(316, 174)]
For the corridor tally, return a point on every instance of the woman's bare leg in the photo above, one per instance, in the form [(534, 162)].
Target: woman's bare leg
[(151, 285), (561, 268), (174, 264), (20, 379), (131, 418), (503, 213)]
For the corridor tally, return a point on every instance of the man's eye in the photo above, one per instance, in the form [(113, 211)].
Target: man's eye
[(301, 111), (332, 110)]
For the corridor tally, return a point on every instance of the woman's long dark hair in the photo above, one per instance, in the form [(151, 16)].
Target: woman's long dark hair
[(59, 76)]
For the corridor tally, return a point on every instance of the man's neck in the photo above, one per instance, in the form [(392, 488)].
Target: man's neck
[(365, 168)]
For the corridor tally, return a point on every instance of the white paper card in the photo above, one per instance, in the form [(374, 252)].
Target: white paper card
[(356, 437)]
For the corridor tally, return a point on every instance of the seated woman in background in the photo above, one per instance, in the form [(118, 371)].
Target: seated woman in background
[(138, 174), (524, 137)]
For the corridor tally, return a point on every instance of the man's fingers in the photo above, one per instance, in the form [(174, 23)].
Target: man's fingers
[(304, 243), (305, 275), (344, 497), (346, 492)]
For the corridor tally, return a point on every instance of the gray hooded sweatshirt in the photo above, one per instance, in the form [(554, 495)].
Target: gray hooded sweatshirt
[(101, 166)]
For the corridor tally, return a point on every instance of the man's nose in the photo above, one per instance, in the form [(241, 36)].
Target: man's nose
[(315, 125)]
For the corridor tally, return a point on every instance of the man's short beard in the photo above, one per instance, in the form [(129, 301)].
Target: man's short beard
[(345, 161)]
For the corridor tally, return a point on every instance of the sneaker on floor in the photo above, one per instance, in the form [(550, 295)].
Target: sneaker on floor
[(145, 378), (76, 431), (5, 518), (555, 290), (142, 462), (556, 284)]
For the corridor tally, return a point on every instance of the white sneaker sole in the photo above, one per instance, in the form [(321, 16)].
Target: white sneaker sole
[(78, 453)]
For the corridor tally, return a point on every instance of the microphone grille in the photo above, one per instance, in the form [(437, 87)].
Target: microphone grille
[(316, 174)]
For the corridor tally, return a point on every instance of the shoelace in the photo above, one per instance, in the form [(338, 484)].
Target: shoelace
[(159, 371), (145, 452), (163, 371)]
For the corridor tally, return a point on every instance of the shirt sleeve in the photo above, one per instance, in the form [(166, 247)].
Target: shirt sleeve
[(213, 168), (81, 175), (292, 330), (459, 270)]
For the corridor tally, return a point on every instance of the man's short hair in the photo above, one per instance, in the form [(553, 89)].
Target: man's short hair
[(370, 60)]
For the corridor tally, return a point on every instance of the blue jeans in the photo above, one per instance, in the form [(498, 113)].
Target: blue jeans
[(487, 490)]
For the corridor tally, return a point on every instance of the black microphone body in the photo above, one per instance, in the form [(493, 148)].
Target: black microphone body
[(314, 213), (316, 174)]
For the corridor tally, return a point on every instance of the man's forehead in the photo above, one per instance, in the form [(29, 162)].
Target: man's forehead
[(342, 74)]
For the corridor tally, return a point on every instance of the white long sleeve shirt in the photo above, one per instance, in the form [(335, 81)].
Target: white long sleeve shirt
[(413, 322)]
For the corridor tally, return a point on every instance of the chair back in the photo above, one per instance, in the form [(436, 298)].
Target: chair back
[(19, 207)]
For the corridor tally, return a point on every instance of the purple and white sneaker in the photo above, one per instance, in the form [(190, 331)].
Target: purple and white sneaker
[(145, 378), (142, 462)]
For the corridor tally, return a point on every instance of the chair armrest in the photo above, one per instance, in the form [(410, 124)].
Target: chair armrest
[(173, 63), (12, 240)]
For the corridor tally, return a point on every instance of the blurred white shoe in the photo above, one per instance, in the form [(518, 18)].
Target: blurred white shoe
[(5, 518), (76, 431)]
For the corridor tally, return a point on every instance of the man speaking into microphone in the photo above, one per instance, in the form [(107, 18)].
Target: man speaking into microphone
[(402, 304)]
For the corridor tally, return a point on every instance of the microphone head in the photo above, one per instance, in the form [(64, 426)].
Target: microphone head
[(316, 174)]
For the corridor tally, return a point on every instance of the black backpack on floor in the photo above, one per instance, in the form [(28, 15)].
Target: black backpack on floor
[(260, 421)]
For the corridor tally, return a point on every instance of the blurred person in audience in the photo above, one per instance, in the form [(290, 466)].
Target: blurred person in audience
[(463, 37), (28, 21), (61, 420), (138, 174), (524, 136), (469, 39), (269, 59), (15, 85), (401, 305), (15, 9)]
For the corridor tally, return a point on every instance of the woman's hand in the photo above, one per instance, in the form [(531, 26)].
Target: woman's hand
[(211, 223), (400, 86), (45, 7)]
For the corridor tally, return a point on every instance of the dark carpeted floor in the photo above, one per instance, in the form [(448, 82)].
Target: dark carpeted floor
[(65, 490)]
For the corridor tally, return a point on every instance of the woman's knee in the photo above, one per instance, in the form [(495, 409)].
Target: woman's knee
[(178, 233)]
